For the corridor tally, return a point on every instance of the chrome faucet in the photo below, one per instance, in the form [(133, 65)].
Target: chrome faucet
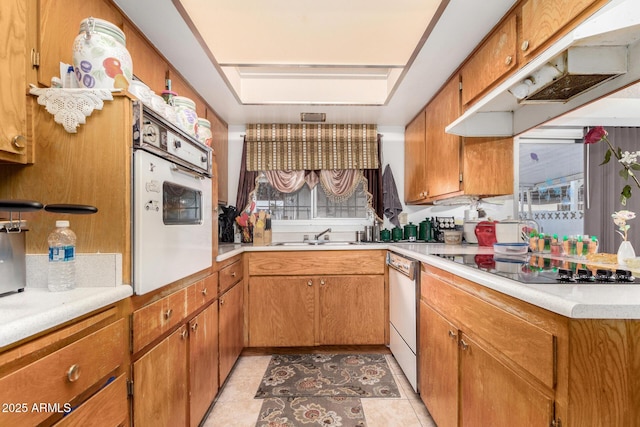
[(317, 236)]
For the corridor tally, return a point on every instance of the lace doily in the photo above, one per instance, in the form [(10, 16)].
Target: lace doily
[(71, 107)]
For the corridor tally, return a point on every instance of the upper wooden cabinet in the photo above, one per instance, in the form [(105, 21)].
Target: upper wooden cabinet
[(148, 66), (17, 23), (415, 181), (495, 58), (220, 136), (487, 165), (543, 19)]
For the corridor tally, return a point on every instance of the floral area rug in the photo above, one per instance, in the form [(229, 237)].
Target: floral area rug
[(322, 389)]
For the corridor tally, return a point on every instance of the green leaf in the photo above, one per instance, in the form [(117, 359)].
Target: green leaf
[(624, 173), (607, 157), (635, 166), (626, 191)]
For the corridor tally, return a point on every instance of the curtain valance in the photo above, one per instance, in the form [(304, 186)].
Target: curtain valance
[(311, 146)]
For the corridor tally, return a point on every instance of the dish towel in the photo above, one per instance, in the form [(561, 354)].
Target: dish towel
[(390, 199)]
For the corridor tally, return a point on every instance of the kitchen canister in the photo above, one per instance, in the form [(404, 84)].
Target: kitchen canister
[(396, 234), (411, 232), (186, 116), (204, 131), (385, 235), (100, 56)]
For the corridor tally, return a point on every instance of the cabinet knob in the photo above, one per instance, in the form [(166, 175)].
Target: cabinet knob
[(525, 45), (204, 291), (322, 282), (184, 334), (73, 373), (19, 142), (463, 345), (233, 274), (508, 60), (167, 314), (453, 335), (194, 326), (221, 301), (310, 282)]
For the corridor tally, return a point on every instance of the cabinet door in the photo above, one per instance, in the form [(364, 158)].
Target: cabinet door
[(443, 149), (494, 59), (415, 181), (17, 31), (438, 363), (160, 383), (220, 136), (351, 310), (488, 166), (203, 362), (281, 311), (231, 329), (542, 19), (493, 395)]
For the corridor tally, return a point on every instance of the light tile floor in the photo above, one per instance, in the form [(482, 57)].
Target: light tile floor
[(236, 406)]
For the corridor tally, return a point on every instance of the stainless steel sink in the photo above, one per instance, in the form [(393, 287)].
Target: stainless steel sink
[(313, 243)]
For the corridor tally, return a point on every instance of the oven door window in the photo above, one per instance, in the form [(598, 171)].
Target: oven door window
[(181, 205)]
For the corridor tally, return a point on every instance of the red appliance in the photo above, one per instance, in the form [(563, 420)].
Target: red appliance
[(486, 233)]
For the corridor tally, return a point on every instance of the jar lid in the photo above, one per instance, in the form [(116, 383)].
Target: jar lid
[(204, 122), (184, 101), (62, 223), (92, 24)]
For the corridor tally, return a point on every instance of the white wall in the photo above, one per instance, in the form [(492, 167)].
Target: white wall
[(392, 154)]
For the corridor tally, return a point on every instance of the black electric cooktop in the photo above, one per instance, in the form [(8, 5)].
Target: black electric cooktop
[(536, 269)]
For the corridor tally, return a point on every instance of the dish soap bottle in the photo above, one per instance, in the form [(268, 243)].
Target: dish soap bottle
[(62, 258)]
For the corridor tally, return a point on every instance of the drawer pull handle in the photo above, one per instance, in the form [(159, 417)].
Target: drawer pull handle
[(525, 45), (184, 334), (453, 335), (73, 373), (167, 314), (221, 301), (322, 282), (310, 283), (463, 345), (194, 326), (233, 274), (204, 292), (508, 60)]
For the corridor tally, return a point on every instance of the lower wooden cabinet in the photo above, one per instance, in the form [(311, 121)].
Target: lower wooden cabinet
[(203, 362), (438, 361), (60, 371), (160, 381), (231, 329), (289, 311)]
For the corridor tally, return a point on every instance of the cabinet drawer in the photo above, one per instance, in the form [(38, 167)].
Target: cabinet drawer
[(519, 341), (304, 263), (107, 408), (56, 379), (202, 292), (153, 320), (230, 275), (428, 273)]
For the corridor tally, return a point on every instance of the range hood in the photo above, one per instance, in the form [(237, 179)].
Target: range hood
[(600, 56)]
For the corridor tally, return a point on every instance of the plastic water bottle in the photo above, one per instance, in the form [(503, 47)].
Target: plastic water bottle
[(62, 258)]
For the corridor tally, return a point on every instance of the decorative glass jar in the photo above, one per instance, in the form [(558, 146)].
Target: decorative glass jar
[(186, 116), (204, 132), (100, 57)]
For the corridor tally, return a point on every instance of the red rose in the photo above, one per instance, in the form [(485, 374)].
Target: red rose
[(595, 135)]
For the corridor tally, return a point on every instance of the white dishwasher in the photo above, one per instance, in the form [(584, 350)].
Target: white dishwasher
[(403, 307)]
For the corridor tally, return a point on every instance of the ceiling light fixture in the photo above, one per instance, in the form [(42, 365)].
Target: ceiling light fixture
[(313, 117)]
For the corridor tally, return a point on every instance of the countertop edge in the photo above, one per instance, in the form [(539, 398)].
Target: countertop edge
[(72, 304)]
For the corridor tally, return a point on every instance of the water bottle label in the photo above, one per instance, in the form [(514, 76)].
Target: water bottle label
[(63, 253)]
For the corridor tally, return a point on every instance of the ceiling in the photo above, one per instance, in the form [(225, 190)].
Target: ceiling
[(283, 57)]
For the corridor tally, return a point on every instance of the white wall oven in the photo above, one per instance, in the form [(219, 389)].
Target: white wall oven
[(172, 202)]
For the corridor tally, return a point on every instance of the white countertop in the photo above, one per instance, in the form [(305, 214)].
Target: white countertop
[(575, 301), (36, 309)]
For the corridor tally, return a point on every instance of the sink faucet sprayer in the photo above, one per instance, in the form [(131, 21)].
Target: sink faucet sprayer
[(328, 230)]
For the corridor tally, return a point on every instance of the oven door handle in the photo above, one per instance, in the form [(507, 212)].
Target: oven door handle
[(186, 171)]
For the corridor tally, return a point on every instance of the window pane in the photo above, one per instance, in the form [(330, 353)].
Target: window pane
[(284, 206), (353, 207)]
